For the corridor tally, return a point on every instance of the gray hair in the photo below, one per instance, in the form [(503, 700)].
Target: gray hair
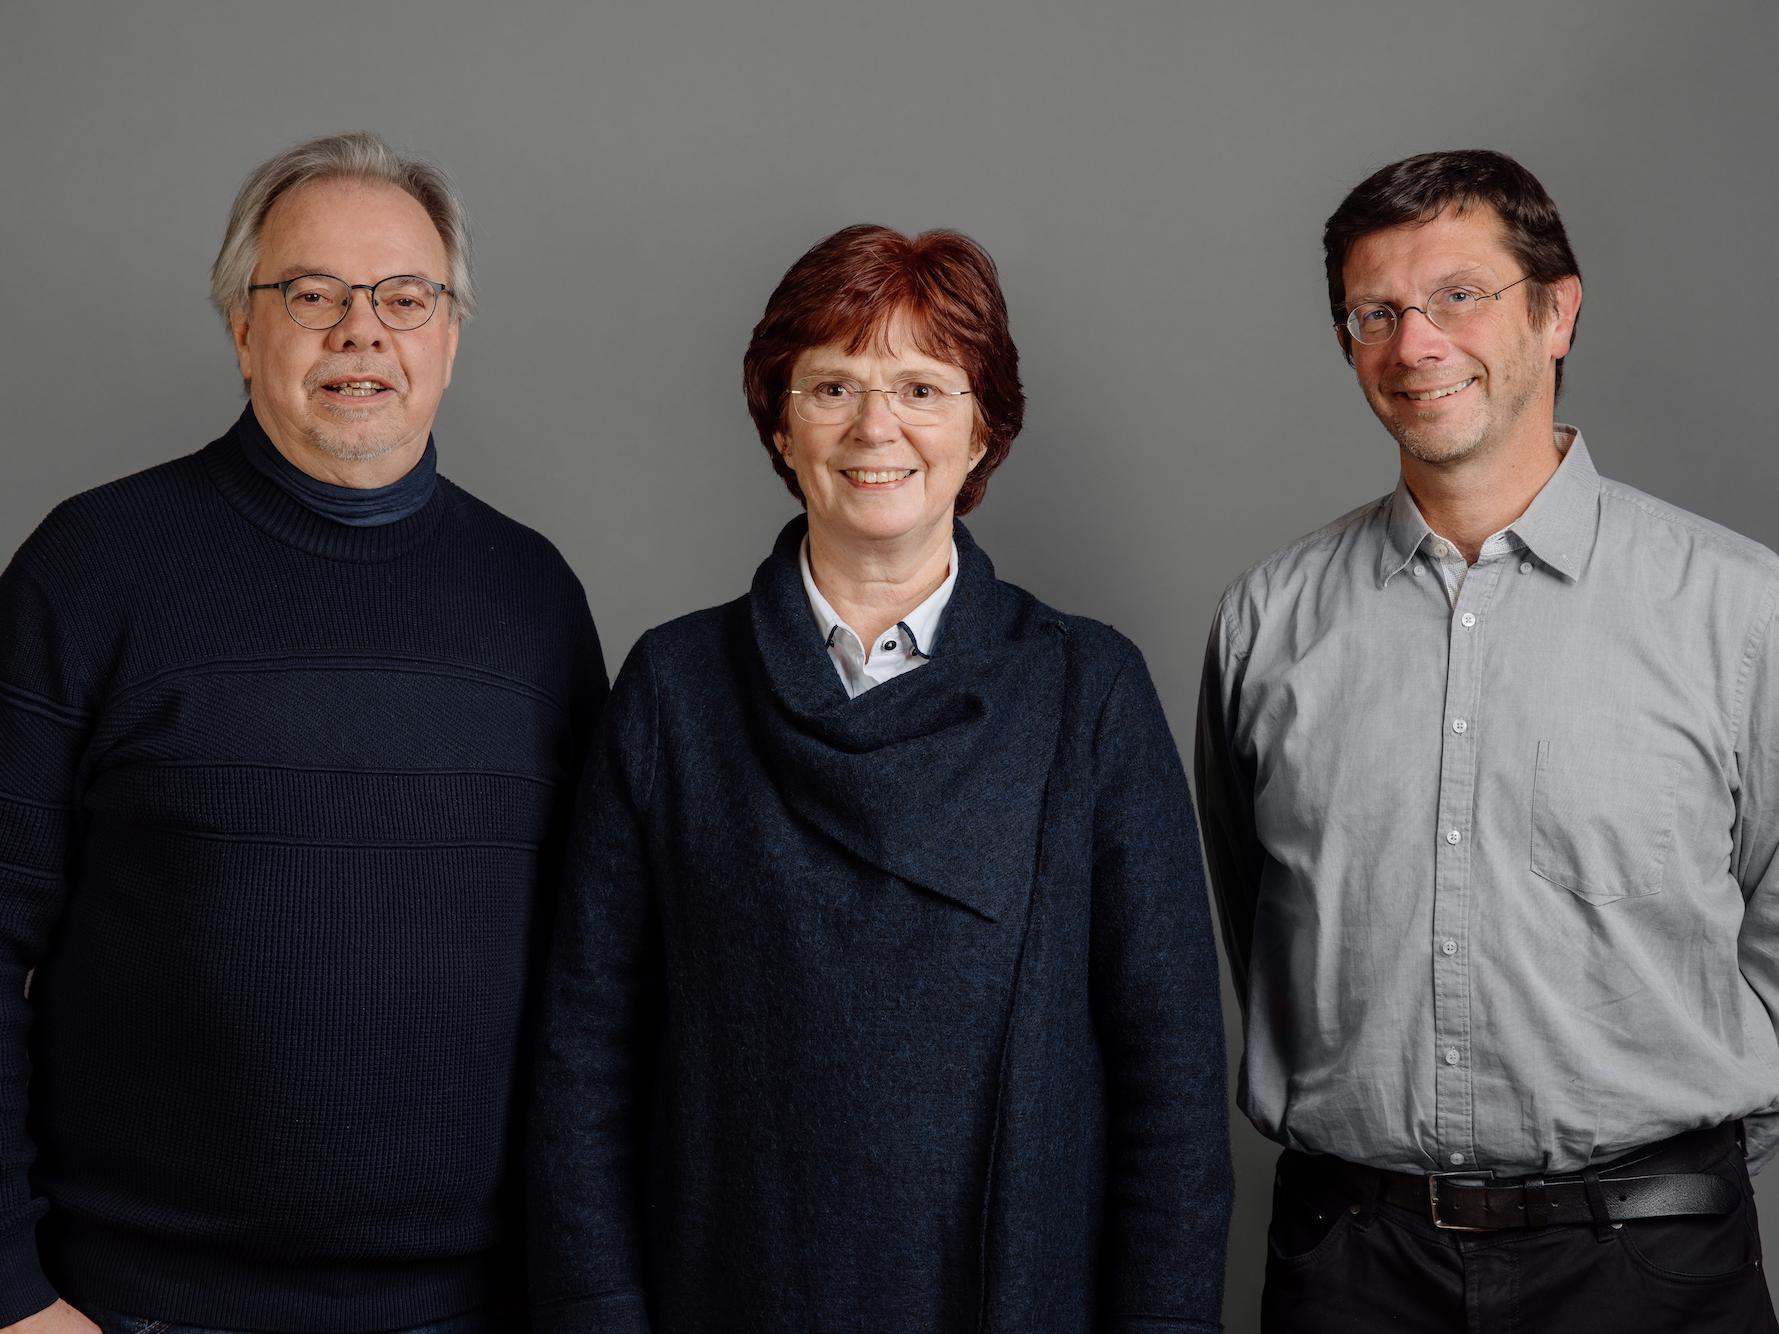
[(357, 156)]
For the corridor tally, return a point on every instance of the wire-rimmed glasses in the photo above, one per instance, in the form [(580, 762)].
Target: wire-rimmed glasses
[(1373, 322), (401, 301), (826, 400)]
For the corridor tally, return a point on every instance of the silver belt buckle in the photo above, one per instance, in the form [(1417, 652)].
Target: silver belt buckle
[(1433, 1180)]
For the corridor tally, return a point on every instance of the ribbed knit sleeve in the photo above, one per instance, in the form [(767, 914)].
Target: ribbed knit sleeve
[(588, 1123), (45, 721)]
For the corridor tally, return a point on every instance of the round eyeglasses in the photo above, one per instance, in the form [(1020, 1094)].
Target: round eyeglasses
[(320, 300), (1375, 321), (826, 400)]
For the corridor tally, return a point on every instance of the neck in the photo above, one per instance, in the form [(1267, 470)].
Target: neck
[(1471, 499), (872, 587)]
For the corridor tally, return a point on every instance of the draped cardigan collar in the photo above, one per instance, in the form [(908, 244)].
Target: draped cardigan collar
[(936, 776)]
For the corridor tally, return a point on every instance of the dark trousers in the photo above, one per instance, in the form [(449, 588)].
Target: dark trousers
[(1340, 1260)]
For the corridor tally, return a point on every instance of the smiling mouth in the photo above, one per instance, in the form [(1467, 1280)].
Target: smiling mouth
[(875, 476), (1430, 395), (356, 388)]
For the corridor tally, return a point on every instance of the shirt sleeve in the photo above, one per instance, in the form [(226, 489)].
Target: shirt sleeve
[(1755, 845), (1225, 787), (598, 1024), (1158, 1016), (43, 733)]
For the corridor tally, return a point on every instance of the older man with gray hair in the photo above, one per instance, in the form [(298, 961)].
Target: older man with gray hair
[(286, 726)]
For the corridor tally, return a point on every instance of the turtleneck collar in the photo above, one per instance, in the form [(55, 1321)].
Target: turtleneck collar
[(367, 507), (283, 514)]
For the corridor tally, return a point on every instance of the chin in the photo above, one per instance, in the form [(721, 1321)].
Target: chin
[(351, 447)]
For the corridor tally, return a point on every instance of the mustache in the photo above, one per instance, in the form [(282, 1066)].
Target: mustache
[(354, 368)]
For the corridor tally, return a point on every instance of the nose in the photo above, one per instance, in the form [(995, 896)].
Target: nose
[(875, 421), (1418, 338), (361, 330)]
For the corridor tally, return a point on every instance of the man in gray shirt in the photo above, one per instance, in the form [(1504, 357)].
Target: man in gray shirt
[(1489, 771)]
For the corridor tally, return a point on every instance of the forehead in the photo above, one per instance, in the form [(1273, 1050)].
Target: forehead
[(900, 343), (359, 230), (1416, 254)]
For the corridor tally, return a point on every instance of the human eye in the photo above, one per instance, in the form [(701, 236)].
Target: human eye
[(919, 391), (1372, 315), (408, 294), (1457, 298), (836, 391), (309, 292)]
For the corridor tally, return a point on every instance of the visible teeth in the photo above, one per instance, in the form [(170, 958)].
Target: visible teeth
[(1429, 395), (861, 475), (357, 388)]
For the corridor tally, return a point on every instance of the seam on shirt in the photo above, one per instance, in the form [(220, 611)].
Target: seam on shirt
[(351, 771), (29, 872), (1351, 519), (1726, 538), (29, 701), (336, 661), (1233, 631), (34, 803), (1758, 634)]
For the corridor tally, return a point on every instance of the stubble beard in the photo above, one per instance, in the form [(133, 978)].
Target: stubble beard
[(351, 448)]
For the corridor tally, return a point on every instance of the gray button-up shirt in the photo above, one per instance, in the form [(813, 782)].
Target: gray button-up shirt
[(1499, 873)]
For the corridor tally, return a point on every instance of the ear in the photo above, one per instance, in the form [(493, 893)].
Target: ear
[(1566, 292), (451, 336), (243, 358), (978, 451), (782, 440)]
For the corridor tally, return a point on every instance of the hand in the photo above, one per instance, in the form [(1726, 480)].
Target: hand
[(59, 1318)]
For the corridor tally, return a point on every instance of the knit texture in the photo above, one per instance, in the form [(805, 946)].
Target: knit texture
[(277, 795), (897, 1013)]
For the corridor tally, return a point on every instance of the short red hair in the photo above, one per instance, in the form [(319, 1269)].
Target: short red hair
[(850, 288)]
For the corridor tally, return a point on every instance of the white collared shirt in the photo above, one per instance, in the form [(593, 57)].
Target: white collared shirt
[(901, 648)]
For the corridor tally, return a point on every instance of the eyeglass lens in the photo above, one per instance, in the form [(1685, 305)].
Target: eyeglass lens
[(1375, 322), (824, 401), (318, 301)]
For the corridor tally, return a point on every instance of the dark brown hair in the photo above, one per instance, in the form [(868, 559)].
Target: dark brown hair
[(850, 288), (1420, 188)]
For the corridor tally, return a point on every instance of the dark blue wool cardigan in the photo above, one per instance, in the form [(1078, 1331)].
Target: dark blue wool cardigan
[(275, 794), (892, 1014)]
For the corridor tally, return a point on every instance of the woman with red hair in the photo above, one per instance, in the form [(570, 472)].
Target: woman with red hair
[(882, 994)]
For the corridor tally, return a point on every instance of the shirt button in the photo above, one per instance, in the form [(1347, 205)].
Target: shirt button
[(889, 645), (1525, 567), (1417, 570), (1453, 836), (1467, 620), (1457, 1160), (1451, 1055), (1439, 549), (1460, 726), (1449, 947)]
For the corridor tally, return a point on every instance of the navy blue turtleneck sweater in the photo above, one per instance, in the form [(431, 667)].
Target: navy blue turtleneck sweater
[(277, 796)]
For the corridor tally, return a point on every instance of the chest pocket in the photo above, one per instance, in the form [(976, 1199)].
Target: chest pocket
[(1602, 820)]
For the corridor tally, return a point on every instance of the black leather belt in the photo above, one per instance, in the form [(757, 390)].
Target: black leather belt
[(1662, 1181)]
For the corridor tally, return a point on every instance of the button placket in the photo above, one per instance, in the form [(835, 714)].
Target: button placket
[(1454, 1090)]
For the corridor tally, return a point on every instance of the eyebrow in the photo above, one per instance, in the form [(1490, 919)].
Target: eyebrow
[(905, 373), (1457, 277), (298, 270)]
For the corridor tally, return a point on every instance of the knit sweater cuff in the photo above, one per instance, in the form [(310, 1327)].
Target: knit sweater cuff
[(23, 1288), (609, 1313)]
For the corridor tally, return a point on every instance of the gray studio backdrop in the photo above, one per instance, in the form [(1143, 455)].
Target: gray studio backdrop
[(1151, 177)]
